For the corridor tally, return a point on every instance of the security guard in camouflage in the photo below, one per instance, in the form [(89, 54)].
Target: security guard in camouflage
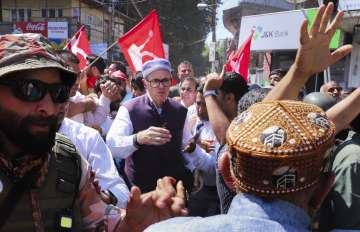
[(36, 191), (45, 185)]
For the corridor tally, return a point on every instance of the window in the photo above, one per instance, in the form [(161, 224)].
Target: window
[(14, 15), (21, 15), (28, 13), (60, 13), (52, 13), (44, 13)]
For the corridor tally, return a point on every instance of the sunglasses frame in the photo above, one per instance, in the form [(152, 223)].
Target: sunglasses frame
[(17, 87)]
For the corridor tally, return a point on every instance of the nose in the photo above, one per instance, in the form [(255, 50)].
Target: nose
[(46, 106), (161, 85)]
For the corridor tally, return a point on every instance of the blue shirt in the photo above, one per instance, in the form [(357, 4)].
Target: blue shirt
[(247, 213)]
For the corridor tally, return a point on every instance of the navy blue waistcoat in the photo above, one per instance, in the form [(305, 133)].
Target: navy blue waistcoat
[(150, 163)]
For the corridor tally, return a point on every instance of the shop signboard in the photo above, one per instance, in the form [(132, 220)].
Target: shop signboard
[(32, 27), (58, 30), (98, 48), (349, 5), (278, 31)]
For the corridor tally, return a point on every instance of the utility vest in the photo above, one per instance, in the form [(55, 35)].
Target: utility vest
[(57, 196)]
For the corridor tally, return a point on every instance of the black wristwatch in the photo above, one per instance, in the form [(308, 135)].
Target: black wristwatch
[(113, 199)]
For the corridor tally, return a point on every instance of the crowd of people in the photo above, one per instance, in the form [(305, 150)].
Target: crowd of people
[(102, 149)]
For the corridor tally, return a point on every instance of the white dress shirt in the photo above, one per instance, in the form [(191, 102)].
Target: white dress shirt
[(92, 147), (92, 118), (120, 136), (105, 126), (201, 159)]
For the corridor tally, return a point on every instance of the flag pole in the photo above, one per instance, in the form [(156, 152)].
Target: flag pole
[(69, 41), (102, 53)]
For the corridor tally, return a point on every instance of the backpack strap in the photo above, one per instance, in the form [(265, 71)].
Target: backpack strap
[(68, 167)]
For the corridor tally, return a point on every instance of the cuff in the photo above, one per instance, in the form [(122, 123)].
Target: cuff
[(104, 101)]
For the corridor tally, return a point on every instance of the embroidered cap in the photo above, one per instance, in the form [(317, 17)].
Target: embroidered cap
[(154, 65), (29, 52), (279, 147)]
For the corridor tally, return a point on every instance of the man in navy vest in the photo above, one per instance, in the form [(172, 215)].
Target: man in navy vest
[(149, 133)]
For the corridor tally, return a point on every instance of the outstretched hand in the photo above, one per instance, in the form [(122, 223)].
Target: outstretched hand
[(149, 208), (314, 54)]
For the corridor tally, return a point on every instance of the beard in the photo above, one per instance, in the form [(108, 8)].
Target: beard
[(18, 131)]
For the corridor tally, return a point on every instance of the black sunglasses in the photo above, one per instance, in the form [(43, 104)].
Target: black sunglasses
[(30, 90)]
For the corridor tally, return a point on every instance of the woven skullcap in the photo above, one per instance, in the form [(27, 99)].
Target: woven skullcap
[(155, 65), (279, 147)]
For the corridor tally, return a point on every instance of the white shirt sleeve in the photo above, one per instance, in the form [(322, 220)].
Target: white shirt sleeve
[(92, 147), (102, 162), (202, 160), (186, 132), (199, 158), (98, 116), (120, 138)]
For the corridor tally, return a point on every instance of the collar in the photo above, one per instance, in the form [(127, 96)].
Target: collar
[(281, 211), (158, 109)]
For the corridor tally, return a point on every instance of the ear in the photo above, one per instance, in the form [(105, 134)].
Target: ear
[(145, 83), (322, 189), (229, 97), (224, 169)]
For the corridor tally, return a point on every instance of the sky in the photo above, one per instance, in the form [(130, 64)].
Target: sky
[(221, 31)]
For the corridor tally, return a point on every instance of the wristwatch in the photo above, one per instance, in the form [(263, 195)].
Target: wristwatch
[(111, 196), (212, 92)]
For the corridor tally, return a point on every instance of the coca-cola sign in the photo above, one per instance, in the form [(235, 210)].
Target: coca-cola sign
[(32, 27)]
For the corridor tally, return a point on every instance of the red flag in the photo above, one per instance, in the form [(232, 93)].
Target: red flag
[(79, 45), (239, 61), (143, 42)]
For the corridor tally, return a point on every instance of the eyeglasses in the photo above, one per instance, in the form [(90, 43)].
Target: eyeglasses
[(156, 82), (34, 90)]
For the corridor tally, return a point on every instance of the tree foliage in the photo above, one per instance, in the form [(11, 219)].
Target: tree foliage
[(184, 28)]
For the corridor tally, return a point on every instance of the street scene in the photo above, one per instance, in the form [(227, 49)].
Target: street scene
[(168, 115)]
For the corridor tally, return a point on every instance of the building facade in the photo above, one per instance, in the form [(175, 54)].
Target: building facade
[(104, 23), (263, 61)]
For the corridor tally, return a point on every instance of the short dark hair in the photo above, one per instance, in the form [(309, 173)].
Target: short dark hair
[(234, 83), (281, 72), (253, 96), (99, 64), (120, 66), (68, 55), (137, 81), (185, 62), (191, 79), (200, 89)]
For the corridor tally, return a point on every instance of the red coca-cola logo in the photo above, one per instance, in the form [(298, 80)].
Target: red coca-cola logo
[(35, 27)]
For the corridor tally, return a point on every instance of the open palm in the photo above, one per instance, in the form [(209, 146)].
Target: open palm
[(149, 208), (314, 54)]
